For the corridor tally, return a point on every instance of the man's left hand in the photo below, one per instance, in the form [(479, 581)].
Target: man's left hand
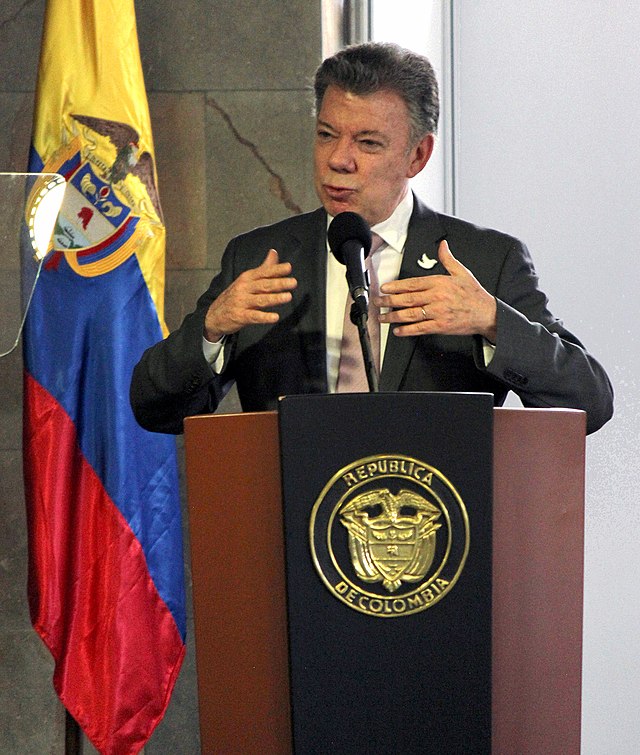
[(454, 304)]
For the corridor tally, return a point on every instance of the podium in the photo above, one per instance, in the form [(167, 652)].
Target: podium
[(239, 587)]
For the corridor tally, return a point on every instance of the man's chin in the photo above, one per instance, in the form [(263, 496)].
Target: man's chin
[(334, 207)]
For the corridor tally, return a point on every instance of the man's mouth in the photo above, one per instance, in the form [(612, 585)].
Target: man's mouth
[(338, 193)]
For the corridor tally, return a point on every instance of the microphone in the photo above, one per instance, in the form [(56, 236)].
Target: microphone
[(349, 238)]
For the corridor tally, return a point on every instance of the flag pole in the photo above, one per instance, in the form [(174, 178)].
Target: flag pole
[(72, 735)]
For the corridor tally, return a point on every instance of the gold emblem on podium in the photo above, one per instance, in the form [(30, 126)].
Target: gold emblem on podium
[(386, 545), (389, 535)]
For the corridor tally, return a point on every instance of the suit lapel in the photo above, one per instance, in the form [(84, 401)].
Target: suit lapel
[(309, 262), (425, 233)]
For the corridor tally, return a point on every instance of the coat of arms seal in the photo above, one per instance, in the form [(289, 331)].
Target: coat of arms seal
[(389, 535)]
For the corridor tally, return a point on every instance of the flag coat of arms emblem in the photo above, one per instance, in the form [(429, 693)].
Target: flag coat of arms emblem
[(106, 588)]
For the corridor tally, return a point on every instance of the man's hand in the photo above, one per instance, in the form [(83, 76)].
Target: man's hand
[(454, 304), (244, 302)]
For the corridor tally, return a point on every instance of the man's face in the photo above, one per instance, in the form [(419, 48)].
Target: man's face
[(362, 155)]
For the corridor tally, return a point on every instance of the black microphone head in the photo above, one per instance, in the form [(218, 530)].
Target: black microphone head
[(348, 226)]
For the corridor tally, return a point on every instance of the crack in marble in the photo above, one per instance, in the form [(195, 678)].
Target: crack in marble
[(276, 183), (16, 15)]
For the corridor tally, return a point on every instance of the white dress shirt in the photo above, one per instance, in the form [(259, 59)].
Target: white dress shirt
[(386, 262)]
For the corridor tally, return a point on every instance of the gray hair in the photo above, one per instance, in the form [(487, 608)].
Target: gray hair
[(373, 66)]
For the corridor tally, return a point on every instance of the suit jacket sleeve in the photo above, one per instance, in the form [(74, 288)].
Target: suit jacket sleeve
[(541, 361), (173, 379)]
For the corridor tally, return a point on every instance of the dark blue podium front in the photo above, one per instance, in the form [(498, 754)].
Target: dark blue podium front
[(387, 520)]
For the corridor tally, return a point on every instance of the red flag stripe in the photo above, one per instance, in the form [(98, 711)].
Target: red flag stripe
[(84, 555)]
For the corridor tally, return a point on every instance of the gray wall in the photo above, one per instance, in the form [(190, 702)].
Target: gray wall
[(232, 122), (547, 137)]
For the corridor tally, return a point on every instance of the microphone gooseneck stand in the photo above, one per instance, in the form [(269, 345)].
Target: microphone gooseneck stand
[(359, 316), (349, 239)]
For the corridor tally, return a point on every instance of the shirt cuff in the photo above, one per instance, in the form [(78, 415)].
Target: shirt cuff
[(214, 354), (488, 350)]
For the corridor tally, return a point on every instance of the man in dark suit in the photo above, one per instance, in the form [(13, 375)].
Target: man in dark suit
[(460, 308)]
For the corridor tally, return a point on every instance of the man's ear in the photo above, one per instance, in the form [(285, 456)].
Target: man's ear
[(421, 154)]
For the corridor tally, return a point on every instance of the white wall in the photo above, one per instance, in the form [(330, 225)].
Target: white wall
[(422, 25), (545, 139), (547, 144)]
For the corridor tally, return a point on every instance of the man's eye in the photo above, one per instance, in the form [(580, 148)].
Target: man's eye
[(324, 135), (370, 144)]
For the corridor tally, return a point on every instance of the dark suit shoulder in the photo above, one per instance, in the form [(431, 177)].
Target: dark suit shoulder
[(483, 250), (457, 225), (297, 226), (452, 226)]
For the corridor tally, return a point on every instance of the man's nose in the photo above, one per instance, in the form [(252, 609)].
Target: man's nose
[(342, 156)]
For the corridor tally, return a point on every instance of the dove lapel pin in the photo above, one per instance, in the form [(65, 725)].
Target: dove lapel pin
[(426, 263)]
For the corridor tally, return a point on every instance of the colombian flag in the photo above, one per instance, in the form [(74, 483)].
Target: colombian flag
[(106, 588)]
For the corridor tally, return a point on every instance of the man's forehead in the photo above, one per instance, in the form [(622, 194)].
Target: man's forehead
[(360, 132), (382, 105)]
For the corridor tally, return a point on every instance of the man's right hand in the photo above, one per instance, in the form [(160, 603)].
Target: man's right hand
[(244, 302)]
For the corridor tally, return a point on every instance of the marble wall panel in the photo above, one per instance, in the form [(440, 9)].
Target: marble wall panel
[(13, 545), (20, 34), (11, 401), (228, 44), (16, 113), (10, 300), (259, 161), (178, 130), (32, 719)]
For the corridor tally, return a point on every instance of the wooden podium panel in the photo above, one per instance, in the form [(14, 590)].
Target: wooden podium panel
[(538, 543), (237, 563), (233, 482)]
